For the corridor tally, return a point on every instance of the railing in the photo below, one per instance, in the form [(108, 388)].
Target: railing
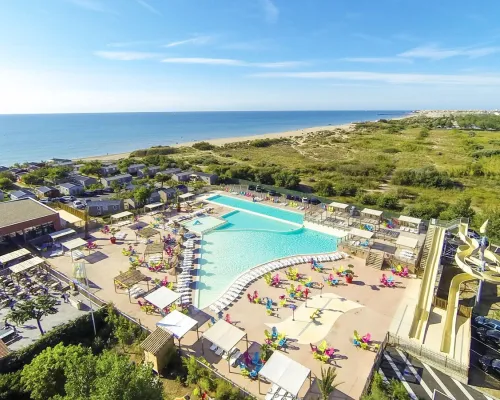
[(443, 305), (444, 363), (73, 211), (375, 367)]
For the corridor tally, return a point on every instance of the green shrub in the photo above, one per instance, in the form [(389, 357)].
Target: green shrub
[(427, 177), (324, 188), (11, 387), (204, 146)]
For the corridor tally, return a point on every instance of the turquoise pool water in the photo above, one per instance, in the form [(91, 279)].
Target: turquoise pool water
[(202, 224), (248, 240), (249, 205)]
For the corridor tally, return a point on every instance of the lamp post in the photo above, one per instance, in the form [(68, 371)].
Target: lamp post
[(293, 307), (80, 272)]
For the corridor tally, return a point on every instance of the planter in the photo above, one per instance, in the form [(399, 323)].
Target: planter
[(112, 240), (348, 279)]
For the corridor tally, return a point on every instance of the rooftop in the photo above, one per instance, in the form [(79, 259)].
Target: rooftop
[(202, 174), (67, 185), (17, 211), (117, 177)]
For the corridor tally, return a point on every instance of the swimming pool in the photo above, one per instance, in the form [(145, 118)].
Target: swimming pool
[(249, 239), (249, 205), (203, 224)]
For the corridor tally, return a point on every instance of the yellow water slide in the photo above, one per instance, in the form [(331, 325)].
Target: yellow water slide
[(423, 308), (470, 265)]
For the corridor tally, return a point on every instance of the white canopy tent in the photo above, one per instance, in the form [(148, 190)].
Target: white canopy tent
[(13, 255), (178, 324), (405, 241), (369, 211), (410, 220), (285, 373), (338, 206), (74, 244), (361, 233), (59, 234), (224, 335), (186, 196), (162, 297), (121, 215), (153, 206), (25, 265)]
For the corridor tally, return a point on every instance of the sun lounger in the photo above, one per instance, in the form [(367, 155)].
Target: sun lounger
[(214, 308), (233, 359), (219, 352), (214, 347)]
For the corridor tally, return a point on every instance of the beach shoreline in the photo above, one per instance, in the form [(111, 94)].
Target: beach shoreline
[(235, 139)]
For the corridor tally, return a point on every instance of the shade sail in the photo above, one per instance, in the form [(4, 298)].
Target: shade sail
[(369, 211), (410, 220), (177, 323), (285, 372), (186, 196), (361, 233), (25, 265), (74, 244), (405, 241), (121, 215), (153, 206), (224, 335), (162, 297), (340, 206), (13, 255), (60, 234)]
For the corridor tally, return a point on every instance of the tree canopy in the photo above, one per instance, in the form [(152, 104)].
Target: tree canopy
[(36, 309)]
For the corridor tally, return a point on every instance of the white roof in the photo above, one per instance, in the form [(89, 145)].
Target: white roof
[(341, 206), (186, 195), (410, 220), (60, 234), (162, 297), (285, 372), (25, 265), (177, 323), (377, 213), (407, 242), (121, 215), (154, 205), (361, 233), (14, 255), (224, 335), (74, 244)]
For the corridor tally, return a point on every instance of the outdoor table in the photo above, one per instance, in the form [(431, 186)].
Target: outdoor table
[(77, 254)]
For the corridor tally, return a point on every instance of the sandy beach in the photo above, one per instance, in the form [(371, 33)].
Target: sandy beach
[(223, 141)]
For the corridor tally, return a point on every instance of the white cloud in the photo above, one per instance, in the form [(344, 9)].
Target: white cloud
[(198, 40), (149, 7), (126, 55), (91, 5), (377, 60), (392, 78), (271, 12), (233, 62), (433, 52)]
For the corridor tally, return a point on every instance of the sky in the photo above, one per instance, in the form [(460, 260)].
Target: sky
[(63, 56)]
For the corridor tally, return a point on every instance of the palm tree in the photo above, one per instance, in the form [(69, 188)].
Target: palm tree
[(326, 384), (33, 309)]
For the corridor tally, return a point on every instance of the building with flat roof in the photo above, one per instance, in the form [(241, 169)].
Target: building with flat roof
[(27, 219)]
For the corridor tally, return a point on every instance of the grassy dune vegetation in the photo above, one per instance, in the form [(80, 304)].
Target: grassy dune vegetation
[(425, 167)]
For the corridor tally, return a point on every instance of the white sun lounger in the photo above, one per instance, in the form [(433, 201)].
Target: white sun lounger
[(213, 347), (214, 308), (219, 352), (234, 357)]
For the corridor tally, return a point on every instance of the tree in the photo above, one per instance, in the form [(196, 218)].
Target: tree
[(327, 383), (142, 194), (115, 186), (92, 168), (286, 179), (389, 201), (33, 309), (162, 178), (96, 186), (45, 376), (324, 188), (460, 209), (6, 184)]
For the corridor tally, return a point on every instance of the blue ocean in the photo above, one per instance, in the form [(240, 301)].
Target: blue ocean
[(41, 137)]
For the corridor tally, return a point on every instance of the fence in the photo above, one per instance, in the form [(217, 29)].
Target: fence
[(440, 361), (464, 311), (376, 366)]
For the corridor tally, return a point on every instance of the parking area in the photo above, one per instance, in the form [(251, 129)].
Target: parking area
[(422, 381)]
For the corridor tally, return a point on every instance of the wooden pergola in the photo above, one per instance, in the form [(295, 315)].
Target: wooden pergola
[(154, 248), (129, 279), (147, 232)]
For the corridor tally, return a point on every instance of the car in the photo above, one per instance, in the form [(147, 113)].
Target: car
[(305, 200), (489, 336), (272, 193), (490, 364), (289, 197), (251, 187), (315, 201), (44, 201), (79, 204), (258, 188), (297, 198), (489, 323), (68, 198)]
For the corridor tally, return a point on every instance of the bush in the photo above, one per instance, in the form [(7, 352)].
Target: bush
[(485, 153), (368, 199), (346, 189), (389, 201), (11, 387), (425, 208), (324, 188), (391, 150), (426, 177), (204, 146), (156, 150), (264, 142)]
